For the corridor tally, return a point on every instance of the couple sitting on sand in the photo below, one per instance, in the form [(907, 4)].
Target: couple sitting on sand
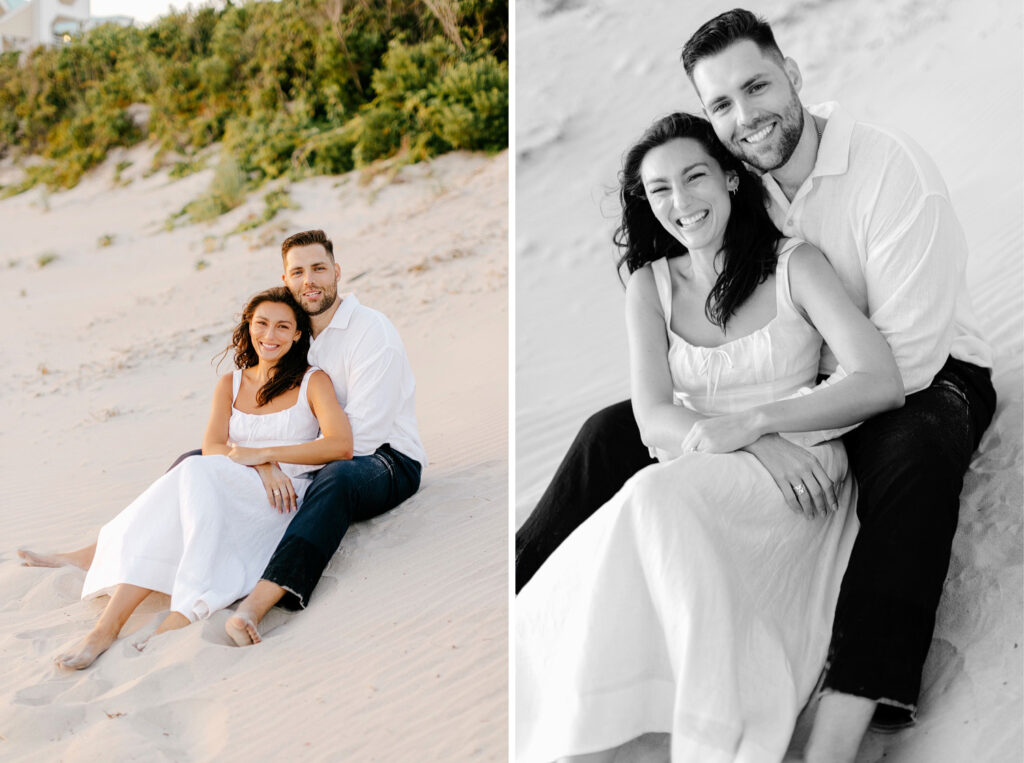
[(203, 533), (689, 565)]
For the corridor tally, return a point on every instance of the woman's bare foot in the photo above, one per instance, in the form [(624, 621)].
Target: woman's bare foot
[(81, 558), (172, 622), (87, 650), (242, 630)]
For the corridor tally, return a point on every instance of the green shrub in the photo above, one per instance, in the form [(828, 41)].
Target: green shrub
[(469, 107), (297, 87), (227, 191), (273, 202), (432, 98)]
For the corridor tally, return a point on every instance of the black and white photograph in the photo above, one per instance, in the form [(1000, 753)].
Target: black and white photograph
[(768, 382)]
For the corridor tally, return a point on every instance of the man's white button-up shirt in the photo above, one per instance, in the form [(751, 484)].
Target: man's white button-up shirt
[(364, 356), (878, 209)]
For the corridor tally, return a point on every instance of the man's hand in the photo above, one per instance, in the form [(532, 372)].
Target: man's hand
[(799, 475), (280, 491), (721, 434)]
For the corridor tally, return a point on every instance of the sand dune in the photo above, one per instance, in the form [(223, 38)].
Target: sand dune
[(591, 76), (107, 377)]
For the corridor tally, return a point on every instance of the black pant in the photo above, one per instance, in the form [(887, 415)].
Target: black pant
[(909, 464), (342, 492)]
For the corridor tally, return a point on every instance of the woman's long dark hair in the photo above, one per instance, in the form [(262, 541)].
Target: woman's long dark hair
[(289, 370), (748, 247)]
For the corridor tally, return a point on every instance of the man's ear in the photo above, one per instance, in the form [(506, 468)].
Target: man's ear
[(793, 73), (284, 280), (337, 272)]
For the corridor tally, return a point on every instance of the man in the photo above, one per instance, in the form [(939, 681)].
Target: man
[(874, 203), (361, 351)]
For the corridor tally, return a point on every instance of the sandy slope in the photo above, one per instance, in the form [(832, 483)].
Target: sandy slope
[(591, 76), (402, 654)]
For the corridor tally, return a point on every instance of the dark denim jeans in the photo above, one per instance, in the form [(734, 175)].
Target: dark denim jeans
[(909, 466), (341, 493)]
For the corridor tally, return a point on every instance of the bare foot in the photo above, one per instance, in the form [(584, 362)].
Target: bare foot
[(81, 558), (86, 651), (242, 629), (32, 559), (172, 622)]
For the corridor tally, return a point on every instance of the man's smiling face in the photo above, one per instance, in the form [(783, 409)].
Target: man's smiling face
[(751, 99), (312, 277)]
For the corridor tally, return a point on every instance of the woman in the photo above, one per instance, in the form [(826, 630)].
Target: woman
[(696, 602), (203, 532)]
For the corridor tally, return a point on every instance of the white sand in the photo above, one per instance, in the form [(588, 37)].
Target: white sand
[(591, 76), (402, 654)]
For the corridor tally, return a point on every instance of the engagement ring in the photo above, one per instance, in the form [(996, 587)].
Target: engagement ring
[(799, 489)]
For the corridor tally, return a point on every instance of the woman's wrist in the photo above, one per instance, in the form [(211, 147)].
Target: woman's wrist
[(759, 422)]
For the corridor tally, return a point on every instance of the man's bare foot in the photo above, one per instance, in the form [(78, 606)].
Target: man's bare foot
[(81, 558), (242, 630), (241, 627), (87, 650)]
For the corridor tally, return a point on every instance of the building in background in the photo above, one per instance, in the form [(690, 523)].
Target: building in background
[(24, 24)]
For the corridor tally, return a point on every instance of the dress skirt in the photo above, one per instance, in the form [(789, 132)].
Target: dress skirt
[(695, 602), (202, 533)]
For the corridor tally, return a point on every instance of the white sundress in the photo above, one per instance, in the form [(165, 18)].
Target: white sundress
[(694, 602), (204, 532)]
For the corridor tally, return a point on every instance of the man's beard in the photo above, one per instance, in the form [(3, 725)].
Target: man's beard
[(328, 298), (790, 127)]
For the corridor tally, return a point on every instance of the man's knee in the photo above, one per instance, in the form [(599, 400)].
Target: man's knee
[(335, 485), (926, 443), (615, 417)]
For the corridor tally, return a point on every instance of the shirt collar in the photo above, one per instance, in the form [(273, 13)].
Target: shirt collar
[(343, 315), (833, 152), (834, 148)]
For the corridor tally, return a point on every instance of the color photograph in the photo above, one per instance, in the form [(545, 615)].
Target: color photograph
[(276, 232)]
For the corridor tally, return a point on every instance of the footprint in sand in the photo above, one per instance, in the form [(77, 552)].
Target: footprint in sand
[(51, 631), (78, 687), (42, 694), (183, 729)]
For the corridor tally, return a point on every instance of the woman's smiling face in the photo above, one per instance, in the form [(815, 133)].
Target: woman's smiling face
[(688, 192), (272, 330)]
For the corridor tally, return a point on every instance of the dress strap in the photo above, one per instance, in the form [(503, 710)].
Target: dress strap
[(663, 282), (303, 388), (783, 291), (236, 382)]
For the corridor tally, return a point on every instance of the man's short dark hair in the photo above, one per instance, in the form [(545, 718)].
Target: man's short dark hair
[(725, 29), (305, 238)]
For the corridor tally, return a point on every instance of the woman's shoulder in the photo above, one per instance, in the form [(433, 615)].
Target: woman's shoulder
[(318, 379), (641, 282), (225, 382), (315, 373), (805, 259), (809, 269)]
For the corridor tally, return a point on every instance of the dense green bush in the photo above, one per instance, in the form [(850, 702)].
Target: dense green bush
[(289, 87), (432, 98)]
